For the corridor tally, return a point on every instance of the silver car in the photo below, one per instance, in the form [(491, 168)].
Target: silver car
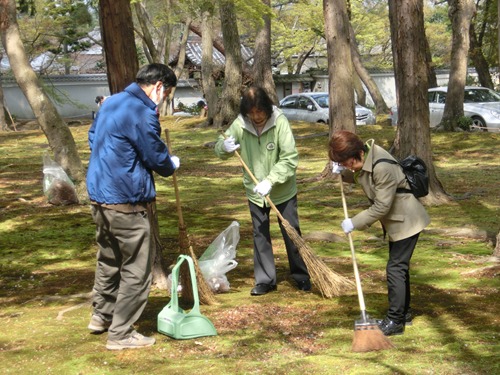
[(481, 104), (313, 107)]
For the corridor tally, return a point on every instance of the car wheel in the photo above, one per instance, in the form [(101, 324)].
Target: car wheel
[(478, 124)]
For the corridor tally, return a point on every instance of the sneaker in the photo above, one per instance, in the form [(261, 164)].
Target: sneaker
[(134, 341), (98, 324), (391, 328)]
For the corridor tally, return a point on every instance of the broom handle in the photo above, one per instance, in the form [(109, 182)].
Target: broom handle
[(255, 181), (176, 187), (354, 263)]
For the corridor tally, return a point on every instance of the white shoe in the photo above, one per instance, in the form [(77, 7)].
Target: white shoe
[(134, 341), (98, 324)]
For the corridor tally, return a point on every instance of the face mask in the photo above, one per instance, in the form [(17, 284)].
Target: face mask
[(157, 99)]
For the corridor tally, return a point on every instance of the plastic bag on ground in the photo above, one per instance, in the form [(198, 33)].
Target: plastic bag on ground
[(57, 186), (218, 258)]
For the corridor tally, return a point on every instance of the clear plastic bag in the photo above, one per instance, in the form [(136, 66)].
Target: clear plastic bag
[(218, 258), (57, 186)]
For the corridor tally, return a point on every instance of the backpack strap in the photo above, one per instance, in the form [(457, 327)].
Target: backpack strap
[(391, 161)]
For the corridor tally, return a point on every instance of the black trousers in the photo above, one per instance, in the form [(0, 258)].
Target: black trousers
[(398, 277), (264, 266)]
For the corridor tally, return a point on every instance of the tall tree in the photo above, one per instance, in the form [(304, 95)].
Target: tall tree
[(378, 100), (228, 106), (340, 69), (207, 60), (59, 136), (460, 13), (262, 72), (408, 43), (119, 47), (478, 59)]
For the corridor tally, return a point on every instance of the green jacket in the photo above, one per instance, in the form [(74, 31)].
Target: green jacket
[(272, 156)]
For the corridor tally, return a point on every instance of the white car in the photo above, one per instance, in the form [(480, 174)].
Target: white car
[(313, 107), (481, 104)]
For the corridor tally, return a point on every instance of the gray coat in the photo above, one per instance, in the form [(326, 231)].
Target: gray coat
[(401, 214)]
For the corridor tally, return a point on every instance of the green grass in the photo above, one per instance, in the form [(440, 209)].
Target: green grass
[(48, 257)]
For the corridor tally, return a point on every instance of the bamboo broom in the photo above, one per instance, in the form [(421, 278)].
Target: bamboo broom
[(205, 293), (329, 283), (367, 334)]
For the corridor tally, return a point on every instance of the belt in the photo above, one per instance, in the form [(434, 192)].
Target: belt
[(127, 208)]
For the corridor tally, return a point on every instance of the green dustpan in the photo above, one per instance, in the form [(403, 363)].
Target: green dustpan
[(174, 321)]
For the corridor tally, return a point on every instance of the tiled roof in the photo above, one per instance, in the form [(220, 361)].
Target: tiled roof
[(194, 51)]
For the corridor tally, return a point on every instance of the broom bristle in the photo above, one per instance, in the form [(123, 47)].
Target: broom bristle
[(329, 283), (368, 338), (205, 294)]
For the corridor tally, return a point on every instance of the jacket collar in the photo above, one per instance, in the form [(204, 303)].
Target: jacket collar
[(135, 89), (369, 158), (271, 122)]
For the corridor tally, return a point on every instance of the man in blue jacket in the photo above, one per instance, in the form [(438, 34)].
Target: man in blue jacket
[(125, 149)]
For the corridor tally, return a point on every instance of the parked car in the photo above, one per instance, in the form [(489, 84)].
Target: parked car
[(481, 104), (313, 107)]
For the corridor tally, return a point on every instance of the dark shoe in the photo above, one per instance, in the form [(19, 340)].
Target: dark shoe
[(304, 285), (261, 289), (408, 319), (391, 328)]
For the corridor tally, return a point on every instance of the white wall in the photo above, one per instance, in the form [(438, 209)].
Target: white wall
[(78, 94)]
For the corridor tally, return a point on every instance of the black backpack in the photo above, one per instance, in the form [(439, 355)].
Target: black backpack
[(416, 174)]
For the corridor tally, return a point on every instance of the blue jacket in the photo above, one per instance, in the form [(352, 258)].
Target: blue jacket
[(126, 148)]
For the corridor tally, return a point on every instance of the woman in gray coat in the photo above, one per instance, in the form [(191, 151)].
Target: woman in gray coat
[(402, 215)]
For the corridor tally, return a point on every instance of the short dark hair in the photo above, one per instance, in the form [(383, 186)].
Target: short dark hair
[(152, 73), (344, 145), (256, 97)]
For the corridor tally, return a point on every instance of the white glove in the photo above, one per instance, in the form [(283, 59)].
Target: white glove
[(175, 161), (337, 168), (229, 145), (263, 188), (347, 226)]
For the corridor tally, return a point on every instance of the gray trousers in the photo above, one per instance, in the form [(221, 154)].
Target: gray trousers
[(263, 257), (123, 272)]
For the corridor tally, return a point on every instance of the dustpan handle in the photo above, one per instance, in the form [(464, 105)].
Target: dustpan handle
[(174, 301)]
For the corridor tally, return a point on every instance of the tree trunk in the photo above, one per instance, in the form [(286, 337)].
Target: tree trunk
[(166, 108), (359, 90), (460, 13), (478, 60), (207, 64), (496, 252), (56, 130), (413, 133), (119, 47), (380, 104), (431, 73), (144, 22), (228, 106), (3, 123), (341, 86), (262, 72)]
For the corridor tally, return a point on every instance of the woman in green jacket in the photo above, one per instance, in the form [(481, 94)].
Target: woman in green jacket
[(402, 215), (264, 138)]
